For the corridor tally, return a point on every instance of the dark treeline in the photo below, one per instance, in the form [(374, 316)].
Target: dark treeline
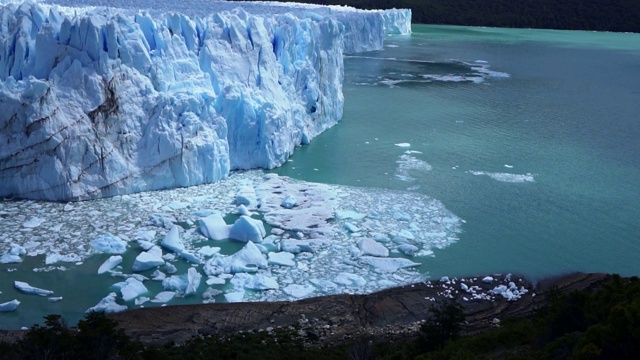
[(600, 15)]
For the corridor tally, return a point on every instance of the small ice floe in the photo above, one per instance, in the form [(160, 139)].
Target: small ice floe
[(371, 247), (28, 289), (110, 263), (163, 297), (54, 299), (298, 291), (506, 177), (214, 227), (508, 166), (234, 296), (148, 259), (403, 145), (186, 284), (9, 305), (34, 222), (13, 255), (255, 282), (109, 244), (247, 229), (158, 275), (350, 227), (282, 258), (349, 214), (288, 202), (173, 242), (108, 305), (387, 265), (352, 280), (131, 288), (487, 279), (248, 259), (53, 258)]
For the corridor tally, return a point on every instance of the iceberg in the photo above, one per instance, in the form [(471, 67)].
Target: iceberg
[(103, 98), (110, 263), (148, 259), (9, 306), (108, 305), (28, 289)]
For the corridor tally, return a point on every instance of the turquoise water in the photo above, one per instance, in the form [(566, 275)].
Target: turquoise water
[(560, 108), (563, 106)]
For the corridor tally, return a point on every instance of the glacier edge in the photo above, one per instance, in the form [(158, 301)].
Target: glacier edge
[(99, 102)]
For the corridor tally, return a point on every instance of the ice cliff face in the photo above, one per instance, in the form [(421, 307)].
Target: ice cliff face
[(96, 102)]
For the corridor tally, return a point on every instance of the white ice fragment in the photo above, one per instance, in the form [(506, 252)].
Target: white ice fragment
[(9, 306), (193, 281), (352, 280), (148, 259), (299, 291), (371, 247), (387, 265), (16, 249), (247, 229), (163, 297), (108, 305), (158, 275), (55, 257), (131, 288), (408, 249), (110, 263), (172, 240), (214, 227), (487, 279), (444, 279), (109, 244), (170, 268), (288, 202), (404, 145), (54, 299), (235, 296), (297, 246), (349, 214), (282, 258), (256, 282), (10, 259), (212, 280), (350, 227), (141, 300), (242, 210), (208, 251), (248, 259), (34, 222), (28, 289)]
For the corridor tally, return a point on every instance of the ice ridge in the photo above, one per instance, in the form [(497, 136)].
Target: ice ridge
[(99, 101)]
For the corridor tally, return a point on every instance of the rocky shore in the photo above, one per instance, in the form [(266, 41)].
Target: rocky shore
[(330, 320)]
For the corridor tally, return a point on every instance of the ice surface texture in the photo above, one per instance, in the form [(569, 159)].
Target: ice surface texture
[(104, 101)]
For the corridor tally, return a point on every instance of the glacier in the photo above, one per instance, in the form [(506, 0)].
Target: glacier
[(101, 98)]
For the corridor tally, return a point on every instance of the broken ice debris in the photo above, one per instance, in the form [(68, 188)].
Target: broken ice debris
[(247, 229), (109, 264), (9, 306), (109, 244), (131, 288), (28, 289), (148, 259), (108, 305)]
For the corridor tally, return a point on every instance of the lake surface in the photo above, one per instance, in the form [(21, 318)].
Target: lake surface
[(530, 137)]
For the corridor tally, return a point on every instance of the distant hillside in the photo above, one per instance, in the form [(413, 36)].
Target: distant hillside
[(601, 15)]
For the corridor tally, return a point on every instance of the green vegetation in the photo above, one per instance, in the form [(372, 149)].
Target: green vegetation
[(602, 15), (602, 324)]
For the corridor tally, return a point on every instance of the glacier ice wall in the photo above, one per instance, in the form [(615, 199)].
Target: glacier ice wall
[(98, 101)]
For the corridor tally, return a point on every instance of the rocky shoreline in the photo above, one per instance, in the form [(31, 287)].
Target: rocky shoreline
[(330, 320)]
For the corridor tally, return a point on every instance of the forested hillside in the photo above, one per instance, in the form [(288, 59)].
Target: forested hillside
[(601, 15)]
